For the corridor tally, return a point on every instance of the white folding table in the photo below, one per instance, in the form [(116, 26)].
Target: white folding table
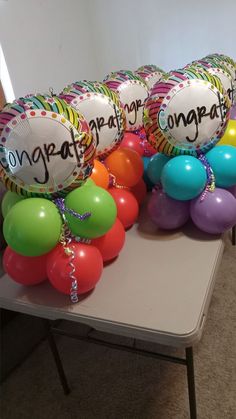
[(158, 290)]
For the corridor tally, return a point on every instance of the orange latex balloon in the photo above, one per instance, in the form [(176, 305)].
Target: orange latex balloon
[(100, 175), (126, 165)]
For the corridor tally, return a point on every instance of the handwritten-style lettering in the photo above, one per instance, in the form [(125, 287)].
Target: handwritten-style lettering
[(41, 154), (134, 108), (98, 123), (196, 116)]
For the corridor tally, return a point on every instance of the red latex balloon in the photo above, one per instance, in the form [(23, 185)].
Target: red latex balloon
[(112, 242), (139, 191), (127, 206), (126, 165), (25, 270), (133, 142), (88, 265)]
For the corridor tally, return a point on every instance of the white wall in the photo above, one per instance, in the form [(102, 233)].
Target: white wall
[(53, 42), (46, 43), (169, 33)]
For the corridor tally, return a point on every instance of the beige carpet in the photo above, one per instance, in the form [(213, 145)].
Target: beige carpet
[(108, 384)]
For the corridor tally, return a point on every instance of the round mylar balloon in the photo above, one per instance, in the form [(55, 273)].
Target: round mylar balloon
[(45, 146), (218, 69), (227, 61), (101, 108), (151, 74), (132, 91), (186, 113)]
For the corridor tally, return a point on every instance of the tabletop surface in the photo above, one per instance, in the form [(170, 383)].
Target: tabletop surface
[(158, 289)]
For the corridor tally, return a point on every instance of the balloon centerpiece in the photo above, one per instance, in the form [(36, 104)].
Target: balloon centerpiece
[(47, 152), (185, 116), (66, 212)]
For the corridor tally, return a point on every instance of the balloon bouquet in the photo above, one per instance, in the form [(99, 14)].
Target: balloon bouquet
[(125, 83), (77, 167), (124, 165), (186, 117), (118, 169), (51, 210)]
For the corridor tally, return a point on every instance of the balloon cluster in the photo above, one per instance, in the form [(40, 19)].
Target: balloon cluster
[(71, 191), (78, 165), (190, 121)]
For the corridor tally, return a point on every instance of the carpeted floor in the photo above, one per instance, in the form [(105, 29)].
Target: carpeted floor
[(108, 384)]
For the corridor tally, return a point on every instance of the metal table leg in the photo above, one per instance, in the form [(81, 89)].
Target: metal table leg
[(234, 236), (187, 361), (191, 383), (56, 356)]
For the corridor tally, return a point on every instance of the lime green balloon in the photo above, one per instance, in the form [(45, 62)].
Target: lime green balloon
[(99, 203), (88, 182), (9, 200), (32, 227)]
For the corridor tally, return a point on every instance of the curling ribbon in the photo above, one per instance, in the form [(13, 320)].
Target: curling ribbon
[(66, 239), (210, 186)]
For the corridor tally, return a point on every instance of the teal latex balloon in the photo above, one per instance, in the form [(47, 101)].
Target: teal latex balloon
[(8, 201), (99, 203), (32, 227), (223, 162), (183, 178), (155, 167), (146, 179)]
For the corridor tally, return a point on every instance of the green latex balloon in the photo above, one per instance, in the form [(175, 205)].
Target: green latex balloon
[(88, 182), (32, 227), (8, 201), (97, 201)]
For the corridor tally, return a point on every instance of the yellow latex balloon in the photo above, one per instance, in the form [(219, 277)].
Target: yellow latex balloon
[(229, 136)]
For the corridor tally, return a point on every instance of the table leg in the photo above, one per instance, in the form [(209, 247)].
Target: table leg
[(191, 383), (56, 356), (234, 236)]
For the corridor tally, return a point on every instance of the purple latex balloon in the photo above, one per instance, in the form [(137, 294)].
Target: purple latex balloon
[(167, 213), (233, 112), (232, 190), (216, 213)]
